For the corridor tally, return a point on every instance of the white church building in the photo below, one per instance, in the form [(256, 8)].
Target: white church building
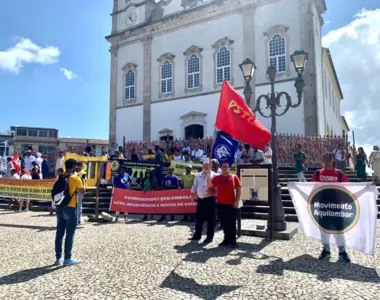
[(169, 59)]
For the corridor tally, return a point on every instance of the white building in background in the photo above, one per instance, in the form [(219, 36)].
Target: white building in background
[(169, 59)]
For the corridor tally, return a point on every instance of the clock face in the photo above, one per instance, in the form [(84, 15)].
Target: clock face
[(130, 17)]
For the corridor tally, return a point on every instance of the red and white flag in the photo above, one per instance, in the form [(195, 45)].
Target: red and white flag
[(16, 163)]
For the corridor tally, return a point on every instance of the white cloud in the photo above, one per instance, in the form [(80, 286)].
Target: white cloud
[(70, 75), (355, 49), (26, 52), (328, 22)]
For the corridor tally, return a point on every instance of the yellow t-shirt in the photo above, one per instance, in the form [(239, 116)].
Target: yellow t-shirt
[(75, 184), (150, 157), (168, 158), (187, 180)]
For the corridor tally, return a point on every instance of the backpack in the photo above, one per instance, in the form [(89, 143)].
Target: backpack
[(340, 175), (60, 192)]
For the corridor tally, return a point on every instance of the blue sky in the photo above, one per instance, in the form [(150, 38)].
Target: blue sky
[(340, 12), (42, 95)]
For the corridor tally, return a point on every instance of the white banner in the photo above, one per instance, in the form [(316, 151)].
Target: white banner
[(337, 213)]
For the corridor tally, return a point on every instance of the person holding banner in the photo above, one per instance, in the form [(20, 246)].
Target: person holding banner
[(25, 175), (170, 182), (187, 181), (228, 187), (330, 174), (122, 181), (14, 175), (149, 185), (205, 203)]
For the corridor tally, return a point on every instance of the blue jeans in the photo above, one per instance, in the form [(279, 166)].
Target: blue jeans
[(325, 237), (341, 249), (66, 223), (79, 206)]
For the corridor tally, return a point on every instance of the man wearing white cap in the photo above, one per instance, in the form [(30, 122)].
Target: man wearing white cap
[(29, 159), (39, 159)]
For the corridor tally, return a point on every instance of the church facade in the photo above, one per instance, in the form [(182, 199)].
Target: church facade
[(169, 59)]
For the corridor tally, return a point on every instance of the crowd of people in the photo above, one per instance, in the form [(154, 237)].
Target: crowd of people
[(204, 186), (340, 157), (313, 146), (35, 166), (216, 190)]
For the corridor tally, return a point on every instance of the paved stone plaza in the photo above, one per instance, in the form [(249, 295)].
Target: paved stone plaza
[(155, 261)]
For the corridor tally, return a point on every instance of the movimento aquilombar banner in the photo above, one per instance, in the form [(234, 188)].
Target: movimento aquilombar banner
[(157, 202), (26, 189), (343, 214)]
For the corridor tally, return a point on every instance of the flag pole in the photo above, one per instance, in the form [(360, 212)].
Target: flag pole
[(213, 139)]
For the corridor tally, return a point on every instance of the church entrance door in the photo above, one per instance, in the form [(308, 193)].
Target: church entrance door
[(195, 131)]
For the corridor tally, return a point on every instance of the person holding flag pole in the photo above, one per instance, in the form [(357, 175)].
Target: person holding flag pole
[(228, 187), (236, 121)]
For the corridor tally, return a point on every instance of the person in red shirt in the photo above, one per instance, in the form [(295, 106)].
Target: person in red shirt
[(228, 188), (330, 174)]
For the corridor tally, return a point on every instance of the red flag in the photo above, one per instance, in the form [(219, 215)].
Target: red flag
[(16, 163), (236, 118)]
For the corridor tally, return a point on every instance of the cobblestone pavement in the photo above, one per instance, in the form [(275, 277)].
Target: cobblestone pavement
[(155, 261)]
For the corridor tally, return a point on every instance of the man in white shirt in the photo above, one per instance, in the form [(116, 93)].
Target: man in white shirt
[(28, 160), (205, 204), (238, 154), (196, 154), (178, 156), (186, 158), (39, 159), (215, 166), (257, 157), (267, 156), (186, 148), (59, 162), (14, 174), (206, 156)]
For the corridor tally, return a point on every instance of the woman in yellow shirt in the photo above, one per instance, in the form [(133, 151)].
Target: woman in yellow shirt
[(150, 155)]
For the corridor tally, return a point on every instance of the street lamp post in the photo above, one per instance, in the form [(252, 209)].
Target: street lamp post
[(272, 101), (248, 67)]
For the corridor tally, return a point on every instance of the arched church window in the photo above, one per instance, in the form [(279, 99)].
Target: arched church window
[(130, 89), (193, 72), (223, 65), (129, 86), (277, 52), (166, 77)]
